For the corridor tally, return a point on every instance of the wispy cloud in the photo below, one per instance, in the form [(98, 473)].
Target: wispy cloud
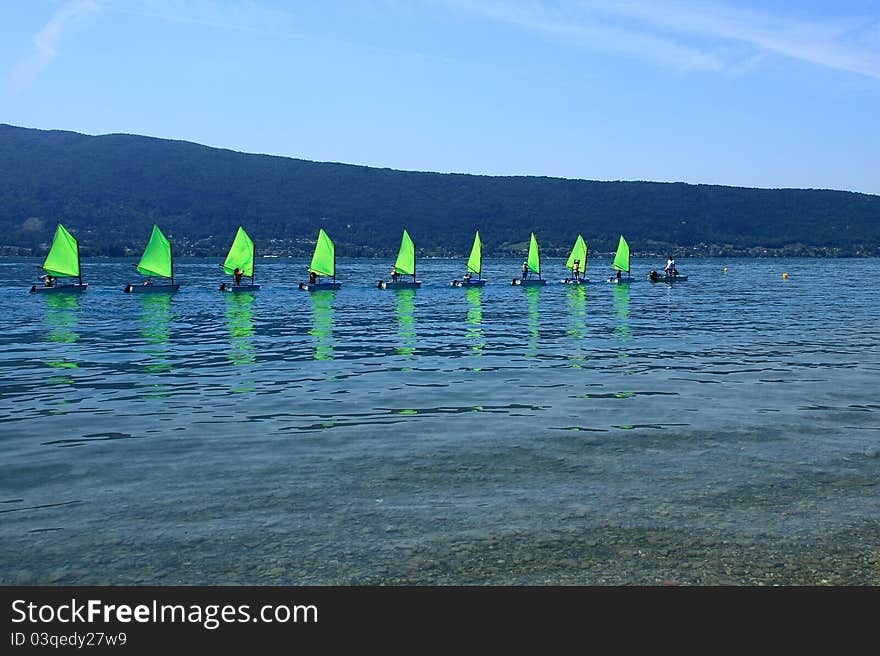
[(568, 21), (47, 39), (694, 35)]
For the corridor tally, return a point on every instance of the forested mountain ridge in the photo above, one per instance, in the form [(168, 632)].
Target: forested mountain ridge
[(108, 190)]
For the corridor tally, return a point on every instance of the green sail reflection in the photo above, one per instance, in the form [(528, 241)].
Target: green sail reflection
[(156, 331), (474, 332), (406, 321), (621, 311), (62, 315), (240, 324), (577, 330), (534, 320), (322, 323)]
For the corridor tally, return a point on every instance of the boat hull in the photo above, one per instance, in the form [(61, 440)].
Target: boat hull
[(320, 286), (528, 282), (468, 283), (621, 281), (238, 289), (60, 289), (152, 289), (572, 281), (400, 284), (668, 279)]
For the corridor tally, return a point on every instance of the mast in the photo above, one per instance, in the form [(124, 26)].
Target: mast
[(254, 262), (171, 256), (78, 263)]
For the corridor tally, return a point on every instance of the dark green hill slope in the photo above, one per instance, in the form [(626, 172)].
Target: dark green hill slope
[(109, 189)]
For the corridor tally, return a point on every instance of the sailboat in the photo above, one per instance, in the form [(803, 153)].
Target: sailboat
[(474, 266), (157, 260), (530, 266), (323, 264), (405, 265), (61, 262), (240, 258), (621, 264), (578, 256)]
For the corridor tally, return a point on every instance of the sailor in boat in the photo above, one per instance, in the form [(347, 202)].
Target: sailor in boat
[(576, 270), (654, 276), (525, 270), (669, 269), (48, 280), (466, 278), (313, 278), (237, 274), (394, 274)]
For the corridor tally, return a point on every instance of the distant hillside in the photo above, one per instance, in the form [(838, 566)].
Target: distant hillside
[(108, 190)]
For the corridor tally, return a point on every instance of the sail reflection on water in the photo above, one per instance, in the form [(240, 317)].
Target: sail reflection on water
[(474, 331), (62, 316), (156, 330), (577, 330), (322, 323), (533, 295), (240, 324), (621, 312), (405, 301)]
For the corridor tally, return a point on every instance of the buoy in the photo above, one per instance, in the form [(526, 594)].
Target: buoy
[(785, 276), (725, 269)]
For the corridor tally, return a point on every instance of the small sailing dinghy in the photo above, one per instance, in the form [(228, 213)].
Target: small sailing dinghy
[(621, 264), (405, 265), (474, 266), (240, 262), (530, 266), (577, 263), (61, 262), (323, 264), (158, 261)]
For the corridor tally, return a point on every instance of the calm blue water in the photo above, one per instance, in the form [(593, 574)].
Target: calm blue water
[(502, 435)]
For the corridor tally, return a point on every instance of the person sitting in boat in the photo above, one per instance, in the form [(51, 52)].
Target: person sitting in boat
[(313, 278), (576, 270), (525, 270), (466, 278), (237, 274), (394, 274), (669, 269), (48, 280), (654, 276)]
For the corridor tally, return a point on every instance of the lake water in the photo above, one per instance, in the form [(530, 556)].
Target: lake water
[(720, 430)]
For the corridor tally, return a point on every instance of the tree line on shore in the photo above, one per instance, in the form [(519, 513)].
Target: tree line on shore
[(109, 190)]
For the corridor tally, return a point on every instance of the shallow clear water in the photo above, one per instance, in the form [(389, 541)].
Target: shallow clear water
[(372, 436)]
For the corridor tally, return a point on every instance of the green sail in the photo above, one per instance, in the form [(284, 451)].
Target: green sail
[(324, 258), (475, 261), (579, 252), (241, 254), (406, 258), (534, 260), (156, 260), (63, 258), (621, 260)]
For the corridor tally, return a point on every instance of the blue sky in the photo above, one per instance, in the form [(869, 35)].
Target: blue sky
[(758, 94)]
